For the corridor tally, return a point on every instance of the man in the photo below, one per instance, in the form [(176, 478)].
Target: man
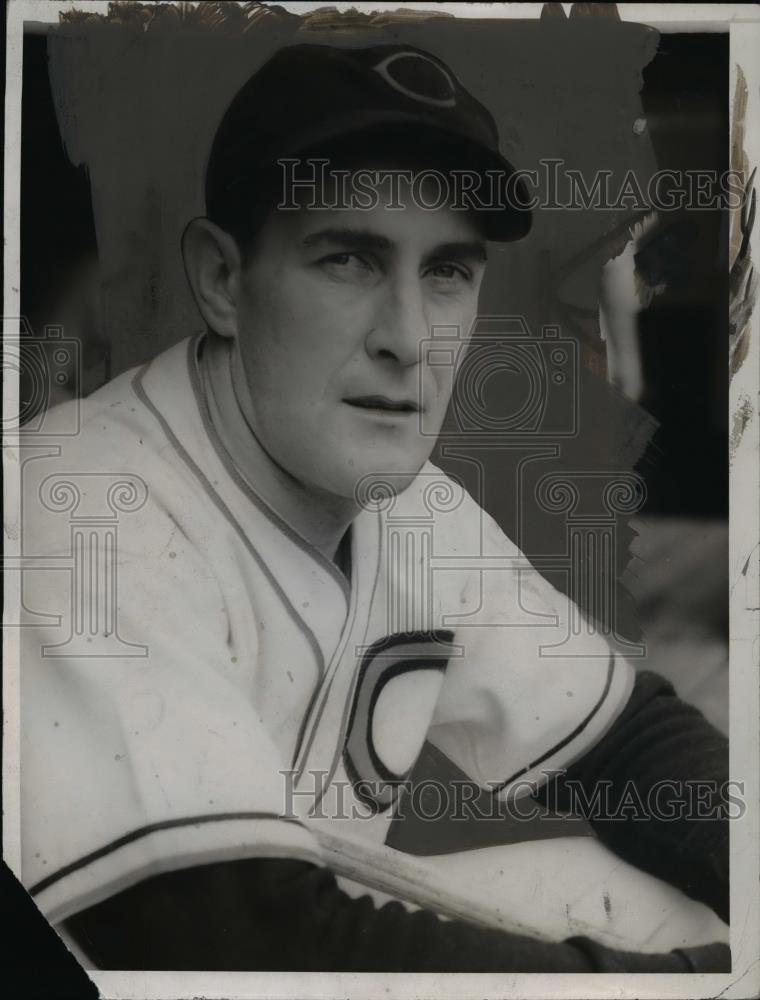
[(297, 603)]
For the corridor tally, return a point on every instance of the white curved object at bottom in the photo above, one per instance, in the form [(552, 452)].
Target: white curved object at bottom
[(552, 889)]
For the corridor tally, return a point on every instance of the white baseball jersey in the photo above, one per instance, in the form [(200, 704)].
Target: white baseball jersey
[(200, 684)]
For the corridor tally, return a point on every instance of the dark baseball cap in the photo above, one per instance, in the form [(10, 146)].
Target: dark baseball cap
[(307, 96)]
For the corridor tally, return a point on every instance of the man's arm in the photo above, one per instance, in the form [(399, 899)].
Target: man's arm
[(661, 748), (279, 914), (286, 915)]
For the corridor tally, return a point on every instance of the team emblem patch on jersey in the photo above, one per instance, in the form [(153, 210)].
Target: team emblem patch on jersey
[(398, 683)]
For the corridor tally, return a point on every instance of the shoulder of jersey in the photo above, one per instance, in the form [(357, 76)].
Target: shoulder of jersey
[(116, 427), (463, 528), (119, 435), (456, 513)]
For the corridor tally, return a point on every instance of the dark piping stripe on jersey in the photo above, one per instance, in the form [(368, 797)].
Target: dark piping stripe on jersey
[(355, 679), (304, 725), (352, 686), (328, 674), (570, 737), (335, 660), (144, 831), (140, 392), (247, 488)]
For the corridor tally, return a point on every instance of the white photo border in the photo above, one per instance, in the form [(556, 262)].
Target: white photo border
[(742, 22)]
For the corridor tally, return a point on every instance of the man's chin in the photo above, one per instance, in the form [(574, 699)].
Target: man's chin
[(377, 487), (366, 478)]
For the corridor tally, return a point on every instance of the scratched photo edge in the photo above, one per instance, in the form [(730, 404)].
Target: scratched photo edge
[(743, 24)]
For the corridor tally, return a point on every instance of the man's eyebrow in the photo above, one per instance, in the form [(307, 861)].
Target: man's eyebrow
[(460, 249), (365, 239), (358, 239)]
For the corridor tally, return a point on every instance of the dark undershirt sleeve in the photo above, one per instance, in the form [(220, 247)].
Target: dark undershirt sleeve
[(286, 915), (663, 754)]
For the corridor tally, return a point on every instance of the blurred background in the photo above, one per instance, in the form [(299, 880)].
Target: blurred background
[(117, 116)]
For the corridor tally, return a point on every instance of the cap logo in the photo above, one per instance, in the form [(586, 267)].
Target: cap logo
[(418, 77)]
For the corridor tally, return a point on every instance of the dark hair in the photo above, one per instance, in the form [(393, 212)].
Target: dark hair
[(242, 208)]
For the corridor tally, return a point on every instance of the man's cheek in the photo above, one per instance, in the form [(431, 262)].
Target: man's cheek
[(441, 384)]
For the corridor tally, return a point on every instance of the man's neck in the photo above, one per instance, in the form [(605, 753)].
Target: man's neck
[(319, 517)]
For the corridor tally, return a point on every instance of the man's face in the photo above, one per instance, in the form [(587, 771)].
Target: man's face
[(334, 306)]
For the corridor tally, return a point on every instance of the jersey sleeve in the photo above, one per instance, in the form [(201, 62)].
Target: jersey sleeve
[(664, 749), (139, 753), (529, 688), (290, 916)]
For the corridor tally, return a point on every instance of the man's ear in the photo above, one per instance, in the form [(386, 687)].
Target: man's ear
[(213, 264)]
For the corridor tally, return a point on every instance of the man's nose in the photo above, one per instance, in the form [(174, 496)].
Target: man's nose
[(400, 323)]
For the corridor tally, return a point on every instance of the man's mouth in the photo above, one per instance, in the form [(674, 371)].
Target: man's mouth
[(383, 404)]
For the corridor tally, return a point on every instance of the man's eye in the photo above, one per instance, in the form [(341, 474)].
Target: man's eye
[(450, 272), (347, 261)]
